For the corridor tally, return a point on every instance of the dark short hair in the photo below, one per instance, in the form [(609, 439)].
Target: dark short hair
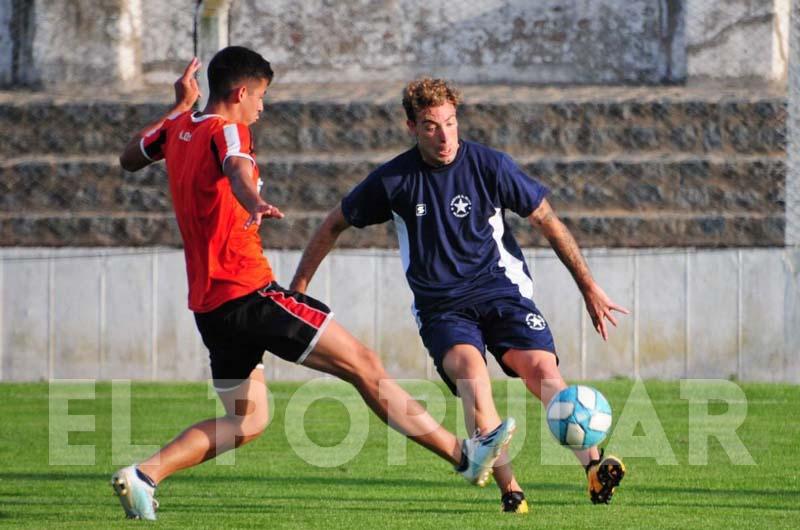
[(232, 65)]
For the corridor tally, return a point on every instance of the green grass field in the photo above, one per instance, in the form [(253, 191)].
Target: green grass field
[(270, 486)]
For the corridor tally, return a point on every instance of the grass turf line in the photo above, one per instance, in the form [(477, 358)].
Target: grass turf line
[(270, 485)]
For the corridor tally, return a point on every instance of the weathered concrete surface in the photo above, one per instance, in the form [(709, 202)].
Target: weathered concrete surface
[(635, 167), (122, 44), (166, 39), (737, 39), (636, 185), (549, 41), (93, 43), (6, 44), (315, 119)]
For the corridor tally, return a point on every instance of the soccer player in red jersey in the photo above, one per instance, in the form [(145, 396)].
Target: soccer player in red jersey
[(239, 308)]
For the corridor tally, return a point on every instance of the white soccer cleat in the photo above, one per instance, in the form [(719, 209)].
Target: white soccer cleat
[(135, 495), (483, 450)]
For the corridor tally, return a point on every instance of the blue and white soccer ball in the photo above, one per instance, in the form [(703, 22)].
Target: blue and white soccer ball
[(579, 417)]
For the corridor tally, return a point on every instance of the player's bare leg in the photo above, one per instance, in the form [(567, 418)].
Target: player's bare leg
[(246, 416), (539, 370), (465, 366), (339, 353)]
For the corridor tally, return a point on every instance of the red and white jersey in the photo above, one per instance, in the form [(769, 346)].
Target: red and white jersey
[(223, 260)]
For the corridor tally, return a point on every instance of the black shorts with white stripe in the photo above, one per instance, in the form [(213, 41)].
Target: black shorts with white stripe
[(285, 323)]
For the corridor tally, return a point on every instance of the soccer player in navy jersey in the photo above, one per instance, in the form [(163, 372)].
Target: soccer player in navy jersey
[(448, 199)]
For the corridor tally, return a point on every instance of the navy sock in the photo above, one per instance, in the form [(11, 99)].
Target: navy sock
[(464, 460), (145, 477)]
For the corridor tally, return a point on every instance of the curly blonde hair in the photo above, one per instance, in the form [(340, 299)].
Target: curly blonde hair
[(427, 92)]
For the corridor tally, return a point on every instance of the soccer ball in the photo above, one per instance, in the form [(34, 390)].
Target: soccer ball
[(579, 417)]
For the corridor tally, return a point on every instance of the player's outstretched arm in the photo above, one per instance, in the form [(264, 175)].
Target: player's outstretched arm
[(186, 93), (598, 304), (318, 247), (240, 172)]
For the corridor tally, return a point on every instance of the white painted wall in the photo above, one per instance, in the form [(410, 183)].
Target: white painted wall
[(121, 313)]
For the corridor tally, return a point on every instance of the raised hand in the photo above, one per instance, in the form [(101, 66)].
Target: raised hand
[(186, 88)]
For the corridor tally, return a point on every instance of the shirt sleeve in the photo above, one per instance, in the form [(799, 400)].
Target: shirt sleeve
[(233, 139), (518, 192), (152, 143), (367, 203)]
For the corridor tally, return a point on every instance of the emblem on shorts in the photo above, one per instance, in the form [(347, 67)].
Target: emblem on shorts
[(421, 209), (535, 322), (460, 206)]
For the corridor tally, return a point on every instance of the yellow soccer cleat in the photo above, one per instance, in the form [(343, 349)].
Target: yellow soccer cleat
[(514, 502), (604, 476)]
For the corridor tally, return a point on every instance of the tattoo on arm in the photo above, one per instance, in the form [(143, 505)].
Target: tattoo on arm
[(563, 243), (568, 252)]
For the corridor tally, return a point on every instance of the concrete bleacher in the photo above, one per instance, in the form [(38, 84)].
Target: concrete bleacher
[(628, 167), (658, 173)]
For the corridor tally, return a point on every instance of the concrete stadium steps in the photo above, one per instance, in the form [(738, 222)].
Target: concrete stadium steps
[(661, 229), (627, 201), (651, 166), (521, 120), (625, 184)]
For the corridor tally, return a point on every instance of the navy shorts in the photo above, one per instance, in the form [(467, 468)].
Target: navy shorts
[(498, 325), (286, 323)]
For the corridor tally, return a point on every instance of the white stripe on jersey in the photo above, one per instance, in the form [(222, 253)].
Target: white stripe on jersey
[(405, 255), (143, 150), (513, 266), (197, 118), (233, 144), (402, 240)]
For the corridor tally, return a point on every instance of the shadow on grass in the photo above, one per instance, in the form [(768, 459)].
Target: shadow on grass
[(337, 505), (440, 492)]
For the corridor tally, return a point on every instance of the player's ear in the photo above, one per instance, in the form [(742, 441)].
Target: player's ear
[(238, 94), (412, 127)]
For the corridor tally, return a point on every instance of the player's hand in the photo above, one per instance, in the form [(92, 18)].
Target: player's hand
[(261, 210), (600, 308), (186, 88)]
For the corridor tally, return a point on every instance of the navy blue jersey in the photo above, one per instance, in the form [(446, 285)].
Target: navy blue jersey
[(455, 244)]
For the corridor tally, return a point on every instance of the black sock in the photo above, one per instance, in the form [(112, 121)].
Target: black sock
[(464, 460), (146, 478)]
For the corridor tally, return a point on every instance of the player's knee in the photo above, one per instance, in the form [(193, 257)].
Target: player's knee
[(251, 418), (369, 368), (464, 363), (544, 368), (250, 428)]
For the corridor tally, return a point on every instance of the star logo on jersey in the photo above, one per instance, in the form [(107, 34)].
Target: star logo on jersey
[(535, 322), (460, 206)]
